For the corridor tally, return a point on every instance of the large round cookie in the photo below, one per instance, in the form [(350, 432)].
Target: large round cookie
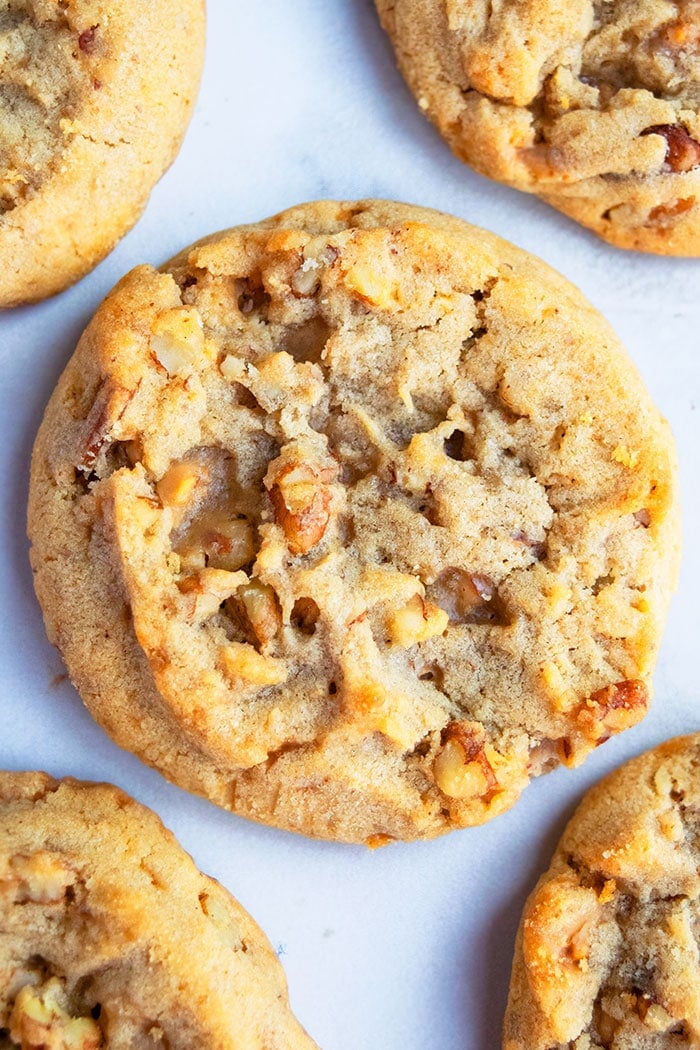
[(592, 104), (354, 520), (111, 938), (607, 952), (94, 100)]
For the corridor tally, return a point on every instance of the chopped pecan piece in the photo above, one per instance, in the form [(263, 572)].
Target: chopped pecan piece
[(416, 621), (462, 769), (682, 151), (243, 663), (177, 340), (261, 609), (208, 589), (108, 408), (612, 709), (229, 543), (301, 501), (39, 1020)]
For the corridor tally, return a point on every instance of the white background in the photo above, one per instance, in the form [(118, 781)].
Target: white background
[(410, 946)]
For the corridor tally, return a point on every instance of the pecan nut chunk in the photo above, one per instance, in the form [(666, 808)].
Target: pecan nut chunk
[(682, 150), (301, 500)]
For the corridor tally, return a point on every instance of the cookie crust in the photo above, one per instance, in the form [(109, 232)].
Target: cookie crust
[(353, 520), (607, 956), (95, 98), (100, 908), (592, 105)]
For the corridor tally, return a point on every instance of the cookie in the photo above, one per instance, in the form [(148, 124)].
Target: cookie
[(607, 955), (94, 101), (593, 106), (353, 520), (99, 911)]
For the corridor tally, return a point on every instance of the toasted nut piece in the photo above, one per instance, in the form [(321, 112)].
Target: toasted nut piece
[(177, 340), (208, 589), (364, 282), (177, 486), (229, 543), (682, 151), (461, 768), (38, 1021), (243, 663), (372, 278), (415, 622), (301, 503), (612, 709), (42, 877), (111, 402), (261, 609), (305, 281)]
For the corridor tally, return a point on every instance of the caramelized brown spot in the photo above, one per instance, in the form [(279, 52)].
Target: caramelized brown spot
[(666, 214), (86, 40), (682, 151), (468, 598), (537, 547)]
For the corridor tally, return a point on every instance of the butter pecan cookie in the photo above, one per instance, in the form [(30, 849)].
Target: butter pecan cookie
[(354, 520), (594, 105), (100, 910), (607, 952), (95, 97)]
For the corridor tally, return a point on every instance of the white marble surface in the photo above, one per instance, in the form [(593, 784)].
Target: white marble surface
[(408, 947)]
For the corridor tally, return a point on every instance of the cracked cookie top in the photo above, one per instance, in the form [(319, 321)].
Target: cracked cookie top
[(88, 89), (607, 952), (99, 909), (594, 105), (366, 510)]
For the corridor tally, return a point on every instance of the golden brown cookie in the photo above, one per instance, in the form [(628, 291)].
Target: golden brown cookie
[(94, 100), (594, 105), (111, 938), (354, 520), (607, 952)]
